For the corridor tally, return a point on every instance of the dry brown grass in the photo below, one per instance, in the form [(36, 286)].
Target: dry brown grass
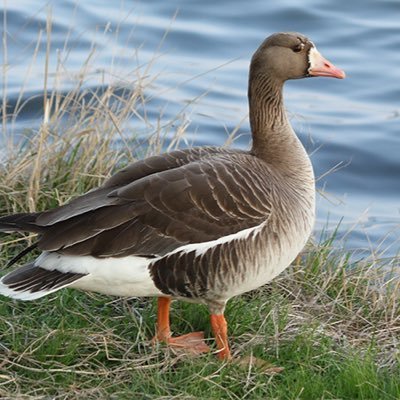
[(86, 132)]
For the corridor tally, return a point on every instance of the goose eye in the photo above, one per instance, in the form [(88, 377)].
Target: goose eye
[(298, 48)]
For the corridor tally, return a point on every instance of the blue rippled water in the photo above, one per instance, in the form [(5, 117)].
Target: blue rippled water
[(351, 124)]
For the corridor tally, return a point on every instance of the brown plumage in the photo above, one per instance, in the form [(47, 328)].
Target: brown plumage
[(201, 224)]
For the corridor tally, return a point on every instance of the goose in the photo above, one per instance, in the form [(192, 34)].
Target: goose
[(202, 224)]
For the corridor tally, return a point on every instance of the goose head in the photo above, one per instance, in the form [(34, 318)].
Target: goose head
[(291, 55)]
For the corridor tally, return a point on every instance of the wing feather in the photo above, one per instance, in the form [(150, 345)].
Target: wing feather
[(158, 204)]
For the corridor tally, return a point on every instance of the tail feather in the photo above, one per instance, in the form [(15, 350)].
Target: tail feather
[(20, 223), (31, 282)]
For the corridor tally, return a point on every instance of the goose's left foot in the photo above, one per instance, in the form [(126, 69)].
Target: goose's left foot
[(192, 343)]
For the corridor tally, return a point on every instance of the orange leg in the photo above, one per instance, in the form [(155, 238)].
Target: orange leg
[(192, 342), (220, 330), (163, 329)]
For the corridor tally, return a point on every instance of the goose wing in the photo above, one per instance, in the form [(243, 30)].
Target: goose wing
[(160, 204)]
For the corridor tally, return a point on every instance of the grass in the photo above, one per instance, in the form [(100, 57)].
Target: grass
[(332, 325), (323, 321)]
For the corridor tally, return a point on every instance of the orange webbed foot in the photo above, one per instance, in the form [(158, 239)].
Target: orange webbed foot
[(191, 343)]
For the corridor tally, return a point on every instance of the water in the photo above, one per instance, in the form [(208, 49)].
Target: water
[(351, 124)]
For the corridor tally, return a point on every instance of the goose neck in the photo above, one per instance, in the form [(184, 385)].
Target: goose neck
[(274, 140)]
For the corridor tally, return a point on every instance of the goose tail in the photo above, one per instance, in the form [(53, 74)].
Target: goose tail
[(31, 282), (23, 222)]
